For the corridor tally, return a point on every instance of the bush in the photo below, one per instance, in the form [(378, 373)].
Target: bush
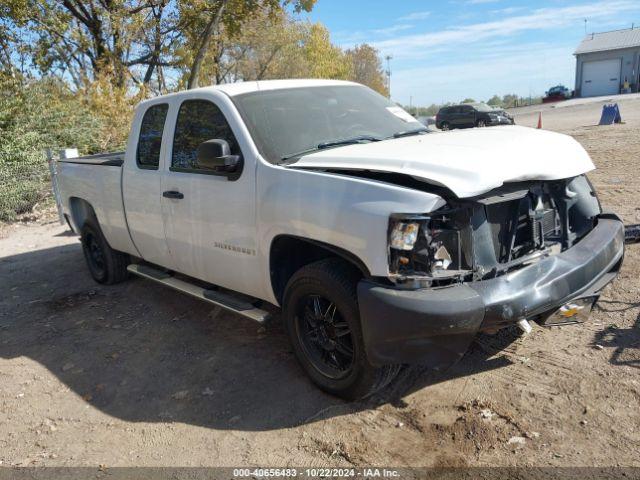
[(45, 113)]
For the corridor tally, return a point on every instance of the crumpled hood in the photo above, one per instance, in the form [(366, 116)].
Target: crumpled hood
[(467, 162)]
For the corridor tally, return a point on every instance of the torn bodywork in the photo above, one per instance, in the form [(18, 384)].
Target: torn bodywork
[(484, 237), (519, 252)]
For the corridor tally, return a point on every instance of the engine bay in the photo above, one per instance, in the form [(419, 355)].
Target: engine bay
[(483, 237)]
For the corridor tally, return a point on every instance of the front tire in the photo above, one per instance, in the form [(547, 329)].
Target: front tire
[(444, 126), (481, 123), (106, 265), (323, 322)]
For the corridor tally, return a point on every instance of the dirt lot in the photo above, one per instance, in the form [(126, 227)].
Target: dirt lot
[(139, 375)]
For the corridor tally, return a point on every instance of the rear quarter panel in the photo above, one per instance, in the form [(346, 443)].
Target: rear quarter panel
[(100, 186)]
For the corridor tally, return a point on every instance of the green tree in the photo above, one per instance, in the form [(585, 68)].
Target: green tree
[(37, 114), (510, 100), (495, 101)]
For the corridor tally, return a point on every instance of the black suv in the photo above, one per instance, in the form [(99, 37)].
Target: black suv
[(471, 115)]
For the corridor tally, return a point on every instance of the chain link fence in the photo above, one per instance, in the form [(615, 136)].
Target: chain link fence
[(25, 182)]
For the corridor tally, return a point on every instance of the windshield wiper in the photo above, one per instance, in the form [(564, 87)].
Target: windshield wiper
[(333, 143), (408, 133), (298, 154), (349, 141)]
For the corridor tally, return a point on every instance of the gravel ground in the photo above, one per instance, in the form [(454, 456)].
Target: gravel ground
[(135, 374)]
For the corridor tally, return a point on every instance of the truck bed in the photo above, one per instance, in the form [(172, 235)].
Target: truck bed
[(115, 159), (79, 180)]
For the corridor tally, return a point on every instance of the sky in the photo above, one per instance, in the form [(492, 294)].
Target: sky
[(449, 50)]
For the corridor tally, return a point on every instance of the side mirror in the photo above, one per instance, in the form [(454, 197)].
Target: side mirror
[(216, 155)]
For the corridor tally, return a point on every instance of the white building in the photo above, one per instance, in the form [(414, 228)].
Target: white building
[(606, 61)]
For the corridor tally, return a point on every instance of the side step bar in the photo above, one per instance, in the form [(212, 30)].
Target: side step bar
[(223, 300)]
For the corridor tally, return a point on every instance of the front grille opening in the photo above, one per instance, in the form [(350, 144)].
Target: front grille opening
[(521, 226)]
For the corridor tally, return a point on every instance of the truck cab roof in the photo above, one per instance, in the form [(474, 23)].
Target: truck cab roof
[(239, 88)]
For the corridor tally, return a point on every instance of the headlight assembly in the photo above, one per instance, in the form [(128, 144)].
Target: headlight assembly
[(404, 235), (426, 248)]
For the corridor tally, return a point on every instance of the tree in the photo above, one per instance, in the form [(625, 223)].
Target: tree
[(468, 100), (270, 45), (323, 59), (83, 39), (510, 100), (212, 25), (35, 114), (495, 101), (206, 20), (367, 67)]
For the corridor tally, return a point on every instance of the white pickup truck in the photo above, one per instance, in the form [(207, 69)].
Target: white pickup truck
[(383, 243)]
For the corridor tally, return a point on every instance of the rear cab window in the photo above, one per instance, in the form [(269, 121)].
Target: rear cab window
[(150, 138)]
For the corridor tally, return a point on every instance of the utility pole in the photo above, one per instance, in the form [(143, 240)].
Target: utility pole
[(585, 26), (388, 59), (411, 104)]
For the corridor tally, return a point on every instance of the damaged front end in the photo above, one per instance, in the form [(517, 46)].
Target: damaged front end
[(521, 252), (484, 237)]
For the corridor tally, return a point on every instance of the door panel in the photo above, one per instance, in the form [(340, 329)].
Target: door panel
[(601, 78), (456, 117), (468, 116), (141, 183), (210, 231)]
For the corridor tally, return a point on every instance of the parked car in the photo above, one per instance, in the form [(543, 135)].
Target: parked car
[(381, 244), (556, 94), (471, 115), (427, 121)]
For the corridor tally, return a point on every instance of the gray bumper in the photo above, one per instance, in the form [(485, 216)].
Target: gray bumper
[(436, 326), (501, 121)]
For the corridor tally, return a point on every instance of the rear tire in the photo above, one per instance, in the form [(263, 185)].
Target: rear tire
[(106, 265), (481, 123), (323, 322)]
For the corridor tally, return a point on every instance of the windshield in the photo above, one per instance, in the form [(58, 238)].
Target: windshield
[(287, 121)]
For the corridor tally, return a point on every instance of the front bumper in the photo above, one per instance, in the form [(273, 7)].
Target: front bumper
[(501, 121), (436, 326)]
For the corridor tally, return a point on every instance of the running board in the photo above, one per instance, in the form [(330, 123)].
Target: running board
[(223, 300)]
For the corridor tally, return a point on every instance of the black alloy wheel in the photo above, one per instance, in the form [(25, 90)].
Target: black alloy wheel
[(325, 336), (94, 255)]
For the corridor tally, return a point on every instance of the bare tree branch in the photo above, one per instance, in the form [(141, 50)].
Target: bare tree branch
[(212, 26)]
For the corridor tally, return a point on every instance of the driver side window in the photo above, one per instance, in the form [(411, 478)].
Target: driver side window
[(198, 121)]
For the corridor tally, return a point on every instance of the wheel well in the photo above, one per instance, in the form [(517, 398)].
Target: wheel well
[(81, 211), (289, 254)]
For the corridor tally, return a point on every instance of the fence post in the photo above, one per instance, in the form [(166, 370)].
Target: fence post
[(54, 184)]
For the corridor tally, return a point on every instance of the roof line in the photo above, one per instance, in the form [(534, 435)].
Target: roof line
[(611, 31)]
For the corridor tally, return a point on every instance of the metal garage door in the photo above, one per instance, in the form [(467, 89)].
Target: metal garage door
[(601, 78)]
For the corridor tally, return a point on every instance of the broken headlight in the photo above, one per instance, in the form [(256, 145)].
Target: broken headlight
[(428, 248), (404, 235)]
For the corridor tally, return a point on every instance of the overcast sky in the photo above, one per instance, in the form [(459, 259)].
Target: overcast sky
[(452, 49)]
